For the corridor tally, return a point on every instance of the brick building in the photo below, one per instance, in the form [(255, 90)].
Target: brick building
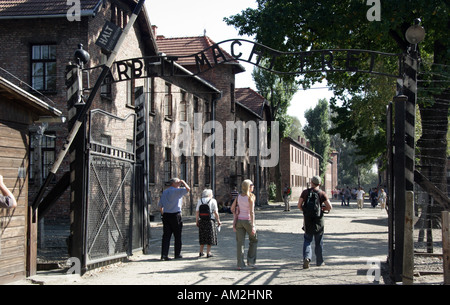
[(302, 165), (233, 106), (39, 42)]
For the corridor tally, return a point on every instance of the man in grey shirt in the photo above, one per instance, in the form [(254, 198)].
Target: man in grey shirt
[(7, 199), (170, 205)]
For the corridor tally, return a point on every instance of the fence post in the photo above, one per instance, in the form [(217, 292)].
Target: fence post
[(408, 244), (446, 246), (399, 192)]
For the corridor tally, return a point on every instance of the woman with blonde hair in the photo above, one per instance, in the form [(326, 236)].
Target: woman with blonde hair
[(244, 208)]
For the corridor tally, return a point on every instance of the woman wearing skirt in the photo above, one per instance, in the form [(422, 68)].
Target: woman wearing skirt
[(207, 230)]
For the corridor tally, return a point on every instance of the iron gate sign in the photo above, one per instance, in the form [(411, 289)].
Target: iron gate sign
[(332, 60), (109, 36)]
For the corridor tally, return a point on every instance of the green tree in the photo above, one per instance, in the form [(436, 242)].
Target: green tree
[(294, 26), (316, 131), (278, 91), (296, 128)]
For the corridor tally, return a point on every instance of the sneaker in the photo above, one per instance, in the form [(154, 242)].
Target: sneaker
[(306, 263), (321, 264), (201, 254), (165, 258)]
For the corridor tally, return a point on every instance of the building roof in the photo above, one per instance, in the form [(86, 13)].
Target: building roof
[(30, 9), (10, 91), (185, 47), (251, 100), (37, 8), (304, 146)]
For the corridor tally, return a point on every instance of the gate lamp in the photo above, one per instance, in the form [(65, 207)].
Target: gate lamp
[(81, 56), (415, 33)]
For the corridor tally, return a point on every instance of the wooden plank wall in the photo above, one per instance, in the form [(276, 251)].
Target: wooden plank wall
[(13, 222)]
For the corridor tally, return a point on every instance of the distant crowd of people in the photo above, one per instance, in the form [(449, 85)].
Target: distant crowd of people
[(376, 195)]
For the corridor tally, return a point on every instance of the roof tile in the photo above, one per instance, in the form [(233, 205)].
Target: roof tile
[(15, 8), (185, 47), (250, 99)]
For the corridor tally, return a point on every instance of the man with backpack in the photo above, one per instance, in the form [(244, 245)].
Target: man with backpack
[(313, 202)]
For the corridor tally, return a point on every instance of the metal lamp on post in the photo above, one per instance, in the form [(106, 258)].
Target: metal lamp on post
[(405, 114)]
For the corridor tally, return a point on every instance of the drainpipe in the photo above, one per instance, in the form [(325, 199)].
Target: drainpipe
[(213, 159)]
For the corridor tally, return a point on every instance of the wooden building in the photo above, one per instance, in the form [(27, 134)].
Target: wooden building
[(38, 34), (19, 110)]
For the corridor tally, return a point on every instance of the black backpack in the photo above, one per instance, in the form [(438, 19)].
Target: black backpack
[(204, 212), (312, 207)]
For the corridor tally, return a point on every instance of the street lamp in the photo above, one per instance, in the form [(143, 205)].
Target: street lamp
[(416, 33), (81, 56), (404, 156)]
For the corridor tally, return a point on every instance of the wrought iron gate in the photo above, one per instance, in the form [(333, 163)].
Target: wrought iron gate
[(113, 214)]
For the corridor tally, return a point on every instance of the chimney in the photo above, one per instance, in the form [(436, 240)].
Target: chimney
[(154, 30)]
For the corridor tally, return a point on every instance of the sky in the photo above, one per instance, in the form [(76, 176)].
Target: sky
[(185, 18)]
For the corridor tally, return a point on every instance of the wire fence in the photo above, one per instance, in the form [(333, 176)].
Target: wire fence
[(433, 89)]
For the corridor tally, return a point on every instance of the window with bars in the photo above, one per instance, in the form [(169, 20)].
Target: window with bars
[(43, 67), (168, 101), (167, 165), (207, 171), (151, 165), (183, 106), (196, 179), (47, 148)]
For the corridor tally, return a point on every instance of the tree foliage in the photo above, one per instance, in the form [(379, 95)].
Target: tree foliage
[(316, 130), (278, 92), (294, 26)]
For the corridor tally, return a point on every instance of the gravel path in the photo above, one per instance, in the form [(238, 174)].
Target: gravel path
[(355, 245)]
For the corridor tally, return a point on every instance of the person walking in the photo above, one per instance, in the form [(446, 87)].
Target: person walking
[(360, 198), (348, 195), (170, 205), (382, 199), (244, 205), (342, 194), (313, 202), (286, 195), (206, 216)]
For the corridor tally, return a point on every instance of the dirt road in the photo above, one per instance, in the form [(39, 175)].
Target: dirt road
[(355, 244)]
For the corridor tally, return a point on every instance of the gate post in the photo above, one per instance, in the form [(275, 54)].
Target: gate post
[(398, 209), (390, 185), (410, 91), (446, 245), (408, 248), (77, 165)]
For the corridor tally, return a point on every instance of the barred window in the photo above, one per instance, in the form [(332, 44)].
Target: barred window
[(43, 67)]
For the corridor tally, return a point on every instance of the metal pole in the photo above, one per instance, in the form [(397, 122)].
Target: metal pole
[(399, 185), (408, 244), (82, 114)]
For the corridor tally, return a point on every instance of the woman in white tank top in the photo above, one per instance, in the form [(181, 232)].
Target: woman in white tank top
[(244, 209)]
